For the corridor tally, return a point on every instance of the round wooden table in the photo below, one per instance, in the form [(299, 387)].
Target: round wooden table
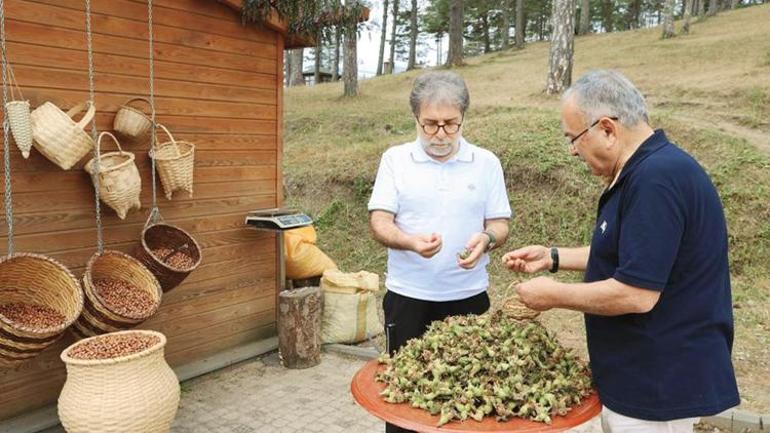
[(366, 392)]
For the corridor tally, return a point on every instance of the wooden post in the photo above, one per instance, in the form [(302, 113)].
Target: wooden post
[(299, 327)]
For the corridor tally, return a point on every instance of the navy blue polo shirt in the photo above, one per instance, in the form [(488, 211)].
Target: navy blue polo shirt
[(661, 227)]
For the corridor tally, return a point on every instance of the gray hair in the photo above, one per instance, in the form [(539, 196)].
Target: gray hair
[(604, 92), (439, 87)]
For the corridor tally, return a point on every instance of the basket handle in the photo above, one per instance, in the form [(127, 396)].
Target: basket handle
[(173, 141), (86, 117), (99, 142), (139, 98), (14, 85)]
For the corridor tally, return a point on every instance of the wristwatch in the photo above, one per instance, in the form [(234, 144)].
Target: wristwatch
[(492, 240), (554, 260)]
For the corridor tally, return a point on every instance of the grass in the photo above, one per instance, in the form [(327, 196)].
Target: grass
[(705, 89)]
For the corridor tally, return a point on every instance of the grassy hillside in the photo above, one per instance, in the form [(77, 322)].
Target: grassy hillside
[(709, 90)]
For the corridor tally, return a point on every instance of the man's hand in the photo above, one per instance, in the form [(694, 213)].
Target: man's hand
[(537, 293), (426, 245), (531, 259), (474, 249)]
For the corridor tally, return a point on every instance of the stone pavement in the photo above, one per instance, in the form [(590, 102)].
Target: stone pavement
[(260, 396)]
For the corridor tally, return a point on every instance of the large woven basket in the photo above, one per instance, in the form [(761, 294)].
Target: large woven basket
[(120, 184), (167, 236), (175, 161), (35, 279), (19, 117), (132, 122), (98, 318), (59, 138), (135, 393)]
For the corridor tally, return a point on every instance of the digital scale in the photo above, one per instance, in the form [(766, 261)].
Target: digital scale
[(278, 220)]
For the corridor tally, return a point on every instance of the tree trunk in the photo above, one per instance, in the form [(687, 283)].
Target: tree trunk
[(713, 8), (701, 8), (383, 37), (485, 29), (585, 17), (393, 37), (299, 327), (506, 25), (413, 38), (668, 19), (608, 12), (734, 3), (350, 61), (520, 24), (317, 65), (688, 5), (562, 46), (456, 15), (632, 17), (337, 43), (296, 58)]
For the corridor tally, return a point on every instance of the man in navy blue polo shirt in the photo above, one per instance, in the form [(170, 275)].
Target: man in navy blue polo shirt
[(656, 292)]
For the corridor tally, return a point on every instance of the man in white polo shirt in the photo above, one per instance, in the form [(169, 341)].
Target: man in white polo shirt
[(439, 204)]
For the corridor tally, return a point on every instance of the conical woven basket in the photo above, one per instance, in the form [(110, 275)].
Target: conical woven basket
[(135, 393), (19, 117), (120, 185), (35, 279), (175, 161), (59, 138)]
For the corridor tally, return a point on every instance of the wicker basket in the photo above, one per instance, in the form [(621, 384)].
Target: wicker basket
[(19, 117), (175, 161), (131, 122), (514, 308), (58, 137), (167, 236), (132, 393), (35, 279), (120, 184), (97, 318)]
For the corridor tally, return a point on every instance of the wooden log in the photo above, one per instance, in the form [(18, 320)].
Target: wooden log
[(299, 327)]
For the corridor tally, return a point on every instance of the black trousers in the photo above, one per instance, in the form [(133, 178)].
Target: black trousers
[(407, 318)]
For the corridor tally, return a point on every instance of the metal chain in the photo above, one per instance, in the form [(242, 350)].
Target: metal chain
[(6, 126), (154, 212), (94, 135)]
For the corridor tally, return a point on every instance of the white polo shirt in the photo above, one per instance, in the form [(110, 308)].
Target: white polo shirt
[(452, 199)]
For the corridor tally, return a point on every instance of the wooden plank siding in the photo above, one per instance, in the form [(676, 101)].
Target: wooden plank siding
[(218, 84)]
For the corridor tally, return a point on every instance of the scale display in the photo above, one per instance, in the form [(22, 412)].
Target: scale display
[(277, 219)]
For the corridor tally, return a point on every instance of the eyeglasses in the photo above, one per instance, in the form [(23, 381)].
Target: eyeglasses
[(432, 128), (571, 141)]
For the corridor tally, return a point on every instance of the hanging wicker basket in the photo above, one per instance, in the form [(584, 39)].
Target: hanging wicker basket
[(120, 184), (33, 279), (132, 122), (175, 161), (19, 117), (58, 137), (160, 243), (98, 315), (136, 392)]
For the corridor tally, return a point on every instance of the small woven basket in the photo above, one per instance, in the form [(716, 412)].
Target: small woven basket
[(513, 308), (162, 235), (58, 137), (120, 185), (19, 117), (175, 161), (35, 279), (132, 122)]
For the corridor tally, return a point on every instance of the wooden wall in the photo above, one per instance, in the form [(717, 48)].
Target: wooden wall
[(218, 85)]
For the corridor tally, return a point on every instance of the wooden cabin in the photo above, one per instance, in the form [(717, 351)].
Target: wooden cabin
[(218, 84)]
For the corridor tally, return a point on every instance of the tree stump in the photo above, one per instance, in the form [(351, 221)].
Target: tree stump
[(299, 327)]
